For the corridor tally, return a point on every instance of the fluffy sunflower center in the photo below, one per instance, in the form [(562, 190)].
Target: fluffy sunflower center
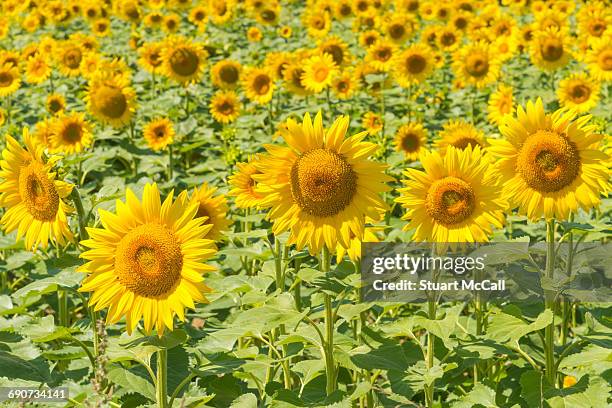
[(551, 49), (261, 84), (477, 65), (72, 58), (415, 64), (148, 260), (6, 79), (72, 133), (228, 74), (38, 193), (410, 142), (323, 183), (450, 201), (397, 31), (548, 161), (184, 62), (580, 93), (110, 101), (605, 60), (160, 132)]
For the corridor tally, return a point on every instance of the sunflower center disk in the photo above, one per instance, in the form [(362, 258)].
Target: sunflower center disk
[(477, 65), (261, 84), (72, 133), (605, 60), (336, 53), (580, 93), (321, 73), (463, 143), (397, 31), (552, 50), (148, 260), (415, 64), (384, 54), (72, 58), (38, 192), (229, 74), (450, 201), (548, 162), (410, 142), (5, 79), (184, 62), (323, 183), (110, 101)]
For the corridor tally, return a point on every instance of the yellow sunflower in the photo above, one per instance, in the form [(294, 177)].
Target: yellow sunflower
[(337, 48), (183, 60), (354, 249), (33, 198), (148, 260), (213, 208), (368, 37), (411, 139), (285, 31), (198, 15), (10, 81), (254, 34), (43, 132), (501, 102), (37, 69), (276, 62), (413, 65), (150, 57), (258, 85), (225, 106), (159, 133), (448, 38), (154, 19), (70, 134), (578, 92), (459, 134), (550, 49), (399, 27), (2, 116), (474, 64), (243, 184), (111, 100), (380, 55), (226, 74), (317, 22), (551, 163), (101, 27), (372, 122), (68, 58), (171, 23), (345, 85), (319, 71), (599, 58), (455, 199), (292, 74), (321, 186), (56, 104)]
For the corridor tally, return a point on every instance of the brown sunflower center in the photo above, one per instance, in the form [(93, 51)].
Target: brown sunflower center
[(6, 79), (383, 54), (447, 39), (155, 58), (580, 93), (465, 141), (318, 23), (229, 74), (268, 15), (110, 101), (261, 84), (226, 107), (410, 142), (397, 31), (450, 201), (548, 161), (461, 23), (342, 86), (72, 133), (72, 58), (323, 183), (160, 132), (148, 260), (38, 193), (336, 53), (605, 60), (55, 106), (345, 10), (551, 49), (477, 65), (597, 27), (415, 64), (184, 62)]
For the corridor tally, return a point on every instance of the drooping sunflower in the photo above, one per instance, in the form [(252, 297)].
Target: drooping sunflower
[(226, 74), (183, 60), (380, 55), (243, 184), (111, 100), (37, 69), (68, 58), (455, 199), (551, 163), (599, 58), (225, 106), (159, 133), (10, 81), (148, 260), (501, 102), (56, 104), (214, 208), (258, 85), (461, 135), (34, 198), (474, 65), (413, 65), (549, 49), (372, 122), (321, 186), (319, 70), (345, 85), (578, 92), (70, 134), (411, 139)]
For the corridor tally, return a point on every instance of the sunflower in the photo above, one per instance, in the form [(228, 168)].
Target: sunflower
[(380, 55), (37, 69), (455, 199), (549, 49), (411, 139), (33, 197), (56, 104), (150, 57), (13, 58), (70, 134), (243, 184), (354, 249), (2, 117), (43, 132), (372, 122), (154, 19), (258, 85), (101, 27), (10, 80), (319, 71), (460, 135), (475, 65), (337, 48), (171, 23), (276, 62), (399, 27), (220, 11), (159, 133), (345, 85), (213, 208), (68, 58), (111, 100), (292, 75), (504, 47), (198, 15), (551, 163), (226, 74), (578, 92), (225, 106), (285, 31), (321, 186), (147, 260), (268, 15), (183, 60), (413, 65), (448, 38), (501, 102), (599, 58), (369, 37), (317, 23), (254, 34)]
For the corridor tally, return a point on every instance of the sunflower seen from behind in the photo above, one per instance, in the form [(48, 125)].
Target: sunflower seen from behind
[(35, 200), (147, 260), (159, 133), (213, 207), (551, 164), (321, 185)]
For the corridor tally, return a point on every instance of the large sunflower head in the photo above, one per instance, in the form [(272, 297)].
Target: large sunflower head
[(321, 186), (147, 260), (550, 49), (413, 65), (243, 185), (226, 74), (34, 199), (578, 92), (461, 135), (411, 139), (159, 133), (501, 102), (475, 65), (110, 99), (225, 106), (70, 133), (212, 207), (10, 80), (319, 70), (455, 199), (183, 60), (551, 163), (258, 84)]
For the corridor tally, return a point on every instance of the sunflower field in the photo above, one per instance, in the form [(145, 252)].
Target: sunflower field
[(189, 191)]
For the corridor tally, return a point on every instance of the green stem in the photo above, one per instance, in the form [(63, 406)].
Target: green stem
[(186, 103), (549, 331), (78, 204), (93, 316), (3, 280), (409, 102), (62, 302), (270, 119), (8, 110), (566, 305), (161, 383), (330, 366), (179, 387), (429, 389), (170, 163)]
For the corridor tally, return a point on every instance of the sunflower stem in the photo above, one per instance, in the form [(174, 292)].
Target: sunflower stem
[(270, 119), (330, 367), (566, 305), (549, 331), (161, 384), (8, 110), (153, 85), (186, 102), (409, 102), (4, 280), (170, 163), (78, 204), (62, 305), (429, 389)]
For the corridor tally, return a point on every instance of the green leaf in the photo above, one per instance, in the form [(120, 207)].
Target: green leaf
[(479, 396), (131, 381), (507, 328), (245, 401)]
